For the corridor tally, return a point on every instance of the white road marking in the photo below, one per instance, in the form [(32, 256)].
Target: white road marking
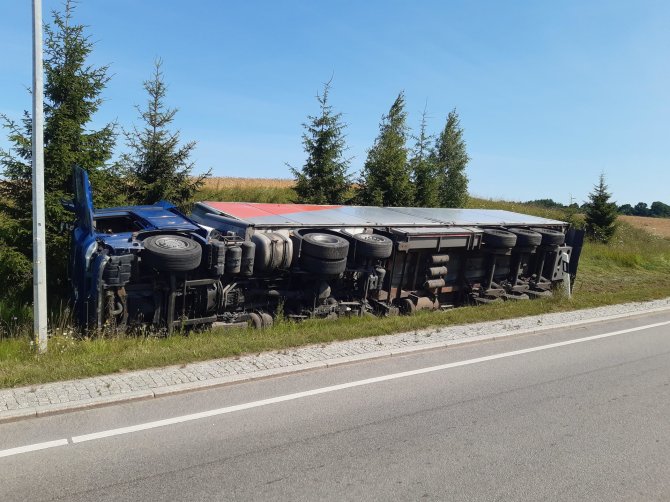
[(33, 447), (315, 392)]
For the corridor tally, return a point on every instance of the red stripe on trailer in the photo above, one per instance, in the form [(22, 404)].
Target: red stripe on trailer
[(254, 209)]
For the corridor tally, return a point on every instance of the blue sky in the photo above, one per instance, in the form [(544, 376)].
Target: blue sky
[(550, 94)]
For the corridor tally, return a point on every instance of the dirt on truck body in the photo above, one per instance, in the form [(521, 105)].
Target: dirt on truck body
[(234, 263)]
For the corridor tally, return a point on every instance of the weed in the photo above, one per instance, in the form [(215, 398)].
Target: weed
[(280, 316)]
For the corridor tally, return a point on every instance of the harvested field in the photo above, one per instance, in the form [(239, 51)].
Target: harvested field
[(655, 226), (273, 190), (221, 183)]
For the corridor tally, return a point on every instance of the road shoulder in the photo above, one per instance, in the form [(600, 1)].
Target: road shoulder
[(59, 397)]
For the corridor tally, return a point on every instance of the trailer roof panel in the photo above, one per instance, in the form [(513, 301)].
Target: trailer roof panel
[(476, 217), (383, 216), (279, 215), (246, 210)]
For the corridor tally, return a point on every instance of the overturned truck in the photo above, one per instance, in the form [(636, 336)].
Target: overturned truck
[(236, 264)]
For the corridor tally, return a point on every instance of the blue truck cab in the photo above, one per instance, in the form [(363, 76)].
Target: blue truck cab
[(126, 263)]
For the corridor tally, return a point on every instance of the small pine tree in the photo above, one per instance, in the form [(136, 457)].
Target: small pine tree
[(157, 167), (71, 98), (385, 180), (451, 158), (323, 179), (424, 170), (601, 213)]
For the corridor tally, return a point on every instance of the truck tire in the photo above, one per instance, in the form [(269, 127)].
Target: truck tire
[(255, 321), (406, 306), (171, 253), (322, 267), (322, 290), (324, 246), (373, 245), (550, 237), (266, 320), (496, 238), (525, 237)]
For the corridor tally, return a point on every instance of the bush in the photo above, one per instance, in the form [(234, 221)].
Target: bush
[(15, 275)]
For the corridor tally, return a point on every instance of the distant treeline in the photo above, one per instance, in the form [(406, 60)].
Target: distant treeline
[(656, 210)]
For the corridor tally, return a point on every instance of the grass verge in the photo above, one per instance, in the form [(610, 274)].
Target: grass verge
[(70, 358)]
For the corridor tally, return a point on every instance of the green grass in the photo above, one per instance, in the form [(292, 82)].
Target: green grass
[(70, 358), (635, 266), (634, 261), (518, 207)]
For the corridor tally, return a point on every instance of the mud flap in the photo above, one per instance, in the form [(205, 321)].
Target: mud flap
[(575, 239)]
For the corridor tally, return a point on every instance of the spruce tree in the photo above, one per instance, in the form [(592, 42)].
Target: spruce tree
[(424, 170), (451, 158), (323, 178), (72, 95), (601, 213), (157, 167), (385, 180)]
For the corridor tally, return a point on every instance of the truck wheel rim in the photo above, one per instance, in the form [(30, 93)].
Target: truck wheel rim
[(170, 243)]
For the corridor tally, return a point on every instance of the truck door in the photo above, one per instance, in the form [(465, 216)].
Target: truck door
[(83, 200), (83, 244)]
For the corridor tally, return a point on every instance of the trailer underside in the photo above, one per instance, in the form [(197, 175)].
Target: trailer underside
[(238, 264)]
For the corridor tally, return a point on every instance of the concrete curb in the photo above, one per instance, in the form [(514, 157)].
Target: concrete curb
[(40, 411)]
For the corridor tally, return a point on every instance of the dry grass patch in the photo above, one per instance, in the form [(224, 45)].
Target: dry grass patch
[(655, 226), (228, 189), (222, 183)]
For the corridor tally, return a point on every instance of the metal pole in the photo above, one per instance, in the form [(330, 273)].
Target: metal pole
[(39, 220), (566, 274)]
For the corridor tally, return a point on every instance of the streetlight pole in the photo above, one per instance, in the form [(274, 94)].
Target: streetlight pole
[(39, 220)]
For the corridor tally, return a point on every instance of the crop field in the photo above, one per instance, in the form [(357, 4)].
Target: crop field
[(280, 190), (655, 226), (221, 183), (276, 190)]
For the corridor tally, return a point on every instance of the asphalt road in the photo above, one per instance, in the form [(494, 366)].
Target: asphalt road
[(515, 419)]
